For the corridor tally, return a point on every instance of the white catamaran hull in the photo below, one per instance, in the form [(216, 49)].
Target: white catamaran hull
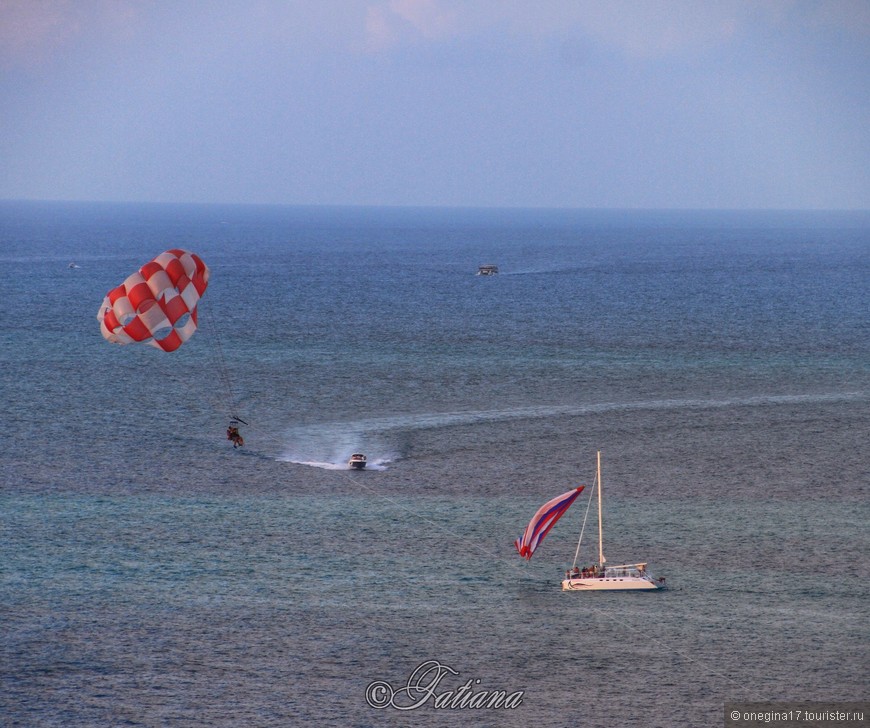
[(601, 584)]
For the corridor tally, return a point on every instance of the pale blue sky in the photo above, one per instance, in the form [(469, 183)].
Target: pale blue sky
[(544, 103)]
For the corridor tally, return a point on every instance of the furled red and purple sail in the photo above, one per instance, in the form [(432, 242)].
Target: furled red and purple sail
[(543, 521)]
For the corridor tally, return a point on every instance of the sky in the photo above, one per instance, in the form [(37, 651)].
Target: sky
[(728, 104)]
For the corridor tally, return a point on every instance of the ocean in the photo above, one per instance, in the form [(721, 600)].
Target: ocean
[(153, 575)]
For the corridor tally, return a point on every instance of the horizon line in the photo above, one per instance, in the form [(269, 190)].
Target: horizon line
[(392, 206)]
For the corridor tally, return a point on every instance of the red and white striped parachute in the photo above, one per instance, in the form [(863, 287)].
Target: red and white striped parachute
[(157, 304)]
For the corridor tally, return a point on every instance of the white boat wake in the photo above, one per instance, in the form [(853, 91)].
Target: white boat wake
[(329, 445)]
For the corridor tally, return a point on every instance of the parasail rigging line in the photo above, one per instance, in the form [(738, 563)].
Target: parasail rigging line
[(219, 362)]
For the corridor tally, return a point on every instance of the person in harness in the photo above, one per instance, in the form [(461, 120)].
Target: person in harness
[(234, 436)]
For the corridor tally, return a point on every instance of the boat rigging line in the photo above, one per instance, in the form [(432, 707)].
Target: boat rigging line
[(585, 516)]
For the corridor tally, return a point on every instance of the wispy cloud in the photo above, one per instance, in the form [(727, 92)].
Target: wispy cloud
[(33, 32), (29, 31), (390, 23), (639, 29), (429, 17), (553, 102)]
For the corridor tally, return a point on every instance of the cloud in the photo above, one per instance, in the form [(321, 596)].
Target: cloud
[(848, 15), (380, 33), (33, 32), (641, 29), (390, 23), (652, 30), (637, 29), (428, 17), (633, 28)]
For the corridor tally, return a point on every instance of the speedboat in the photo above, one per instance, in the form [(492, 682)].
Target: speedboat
[(487, 270), (357, 461)]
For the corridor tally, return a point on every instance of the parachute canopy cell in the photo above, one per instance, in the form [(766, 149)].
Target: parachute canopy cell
[(157, 304)]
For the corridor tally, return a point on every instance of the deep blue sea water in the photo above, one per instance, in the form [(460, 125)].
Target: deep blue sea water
[(151, 575)]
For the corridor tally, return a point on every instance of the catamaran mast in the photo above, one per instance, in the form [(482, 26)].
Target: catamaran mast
[(601, 558)]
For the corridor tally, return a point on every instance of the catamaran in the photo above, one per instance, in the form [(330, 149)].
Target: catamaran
[(599, 577)]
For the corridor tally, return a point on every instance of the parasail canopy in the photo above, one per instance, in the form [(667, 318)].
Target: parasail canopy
[(157, 304), (543, 520)]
